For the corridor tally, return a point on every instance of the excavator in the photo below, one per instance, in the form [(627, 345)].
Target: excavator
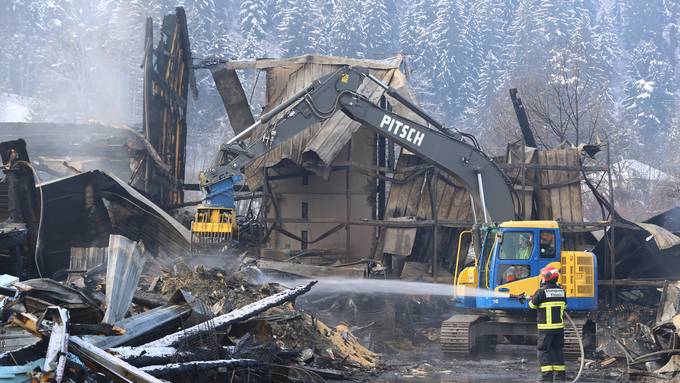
[(489, 292)]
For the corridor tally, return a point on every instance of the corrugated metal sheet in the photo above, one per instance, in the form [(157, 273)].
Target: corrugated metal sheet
[(85, 258), (664, 239), (126, 259), (316, 147)]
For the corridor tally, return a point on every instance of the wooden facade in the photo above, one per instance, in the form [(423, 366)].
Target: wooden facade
[(168, 76)]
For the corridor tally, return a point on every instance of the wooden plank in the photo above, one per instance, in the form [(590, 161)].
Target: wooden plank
[(554, 194), (576, 194), (440, 188), (446, 209)]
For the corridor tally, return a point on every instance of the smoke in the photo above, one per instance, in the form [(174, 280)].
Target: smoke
[(87, 63)]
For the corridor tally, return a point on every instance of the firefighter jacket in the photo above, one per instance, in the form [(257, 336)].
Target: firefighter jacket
[(550, 300)]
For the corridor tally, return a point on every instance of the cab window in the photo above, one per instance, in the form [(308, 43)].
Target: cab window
[(511, 273), (516, 245), (547, 244)]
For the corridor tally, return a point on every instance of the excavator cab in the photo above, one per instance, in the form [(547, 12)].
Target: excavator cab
[(513, 254), (521, 250)]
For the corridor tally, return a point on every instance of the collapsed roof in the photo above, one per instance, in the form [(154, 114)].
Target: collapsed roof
[(649, 249), (84, 209), (316, 147)]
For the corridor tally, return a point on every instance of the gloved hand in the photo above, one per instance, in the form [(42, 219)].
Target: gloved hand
[(522, 298)]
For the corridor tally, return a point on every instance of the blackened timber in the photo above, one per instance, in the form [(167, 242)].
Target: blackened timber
[(197, 366), (23, 204), (522, 119), (234, 98), (108, 364), (168, 76), (236, 316)]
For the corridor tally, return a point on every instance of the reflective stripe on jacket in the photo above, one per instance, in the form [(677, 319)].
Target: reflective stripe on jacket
[(550, 301)]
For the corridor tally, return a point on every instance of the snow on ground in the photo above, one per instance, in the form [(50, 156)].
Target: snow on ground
[(14, 108)]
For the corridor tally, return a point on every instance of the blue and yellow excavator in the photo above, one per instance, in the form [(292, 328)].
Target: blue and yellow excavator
[(491, 292), (511, 254)]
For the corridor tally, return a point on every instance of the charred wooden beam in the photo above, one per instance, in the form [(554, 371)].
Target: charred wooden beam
[(109, 365), (23, 202), (236, 316), (198, 366), (234, 98)]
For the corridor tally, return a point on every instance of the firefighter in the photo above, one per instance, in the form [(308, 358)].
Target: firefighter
[(550, 301)]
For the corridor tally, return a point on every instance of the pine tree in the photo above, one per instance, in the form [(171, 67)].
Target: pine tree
[(254, 20), (300, 31), (642, 20), (650, 90), (448, 36), (471, 60), (379, 27), (415, 38), (523, 50), (347, 30), (490, 80)]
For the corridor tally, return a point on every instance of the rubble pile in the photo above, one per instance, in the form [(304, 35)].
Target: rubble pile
[(183, 324), (639, 339)]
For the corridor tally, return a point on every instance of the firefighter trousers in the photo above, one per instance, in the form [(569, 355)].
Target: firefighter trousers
[(551, 353)]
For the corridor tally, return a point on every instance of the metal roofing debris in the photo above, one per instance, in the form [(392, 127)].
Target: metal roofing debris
[(669, 220), (643, 249), (124, 266), (47, 292), (8, 280), (664, 239), (85, 258), (13, 338), (18, 374), (141, 325), (84, 209)]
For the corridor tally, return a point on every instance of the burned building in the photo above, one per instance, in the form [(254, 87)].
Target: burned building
[(321, 186)]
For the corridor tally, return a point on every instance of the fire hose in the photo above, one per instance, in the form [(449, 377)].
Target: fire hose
[(522, 298), (580, 345)]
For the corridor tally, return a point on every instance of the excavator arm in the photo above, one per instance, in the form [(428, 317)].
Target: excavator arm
[(338, 91)]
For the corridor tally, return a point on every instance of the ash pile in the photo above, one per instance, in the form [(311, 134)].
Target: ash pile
[(123, 316)]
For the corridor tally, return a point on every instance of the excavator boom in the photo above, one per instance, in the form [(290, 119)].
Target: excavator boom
[(339, 92)]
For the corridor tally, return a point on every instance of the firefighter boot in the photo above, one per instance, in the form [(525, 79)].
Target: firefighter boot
[(547, 376)]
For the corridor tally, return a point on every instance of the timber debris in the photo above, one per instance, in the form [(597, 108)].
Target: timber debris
[(229, 327)]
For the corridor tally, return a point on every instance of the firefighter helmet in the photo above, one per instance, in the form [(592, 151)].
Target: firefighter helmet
[(549, 273)]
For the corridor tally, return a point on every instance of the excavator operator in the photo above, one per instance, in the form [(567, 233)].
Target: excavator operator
[(547, 247), (550, 301)]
